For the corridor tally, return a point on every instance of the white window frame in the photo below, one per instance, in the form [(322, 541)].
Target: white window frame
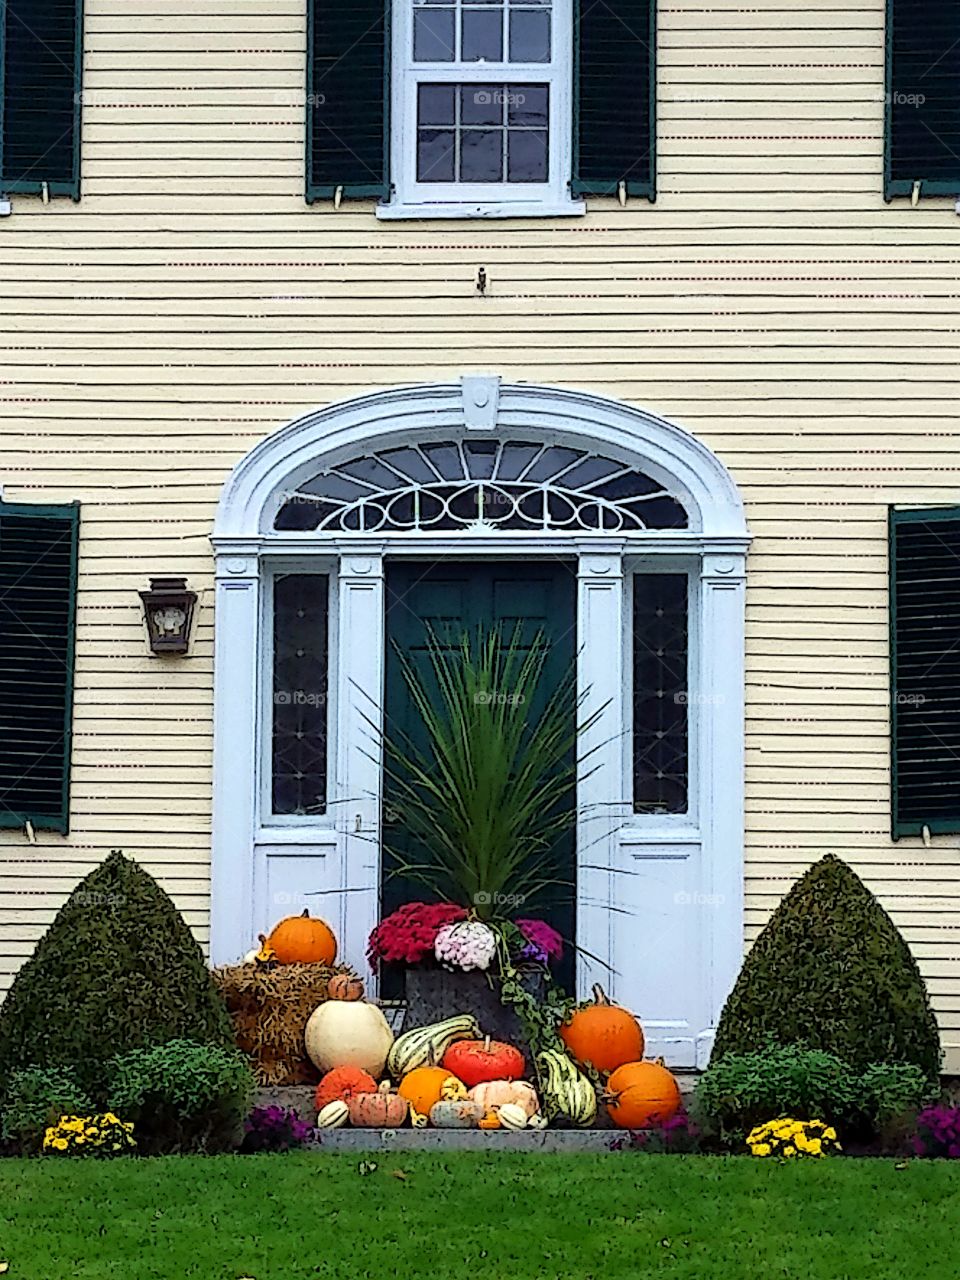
[(412, 199), (318, 567), (634, 565)]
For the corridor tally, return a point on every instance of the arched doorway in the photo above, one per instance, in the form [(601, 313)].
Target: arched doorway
[(319, 522)]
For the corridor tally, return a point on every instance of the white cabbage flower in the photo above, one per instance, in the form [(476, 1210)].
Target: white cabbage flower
[(468, 944)]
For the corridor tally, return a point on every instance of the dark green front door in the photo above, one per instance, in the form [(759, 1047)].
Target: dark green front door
[(450, 598)]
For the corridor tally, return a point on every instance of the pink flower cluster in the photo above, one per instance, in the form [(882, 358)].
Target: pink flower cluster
[(409, 934), (544, 944)]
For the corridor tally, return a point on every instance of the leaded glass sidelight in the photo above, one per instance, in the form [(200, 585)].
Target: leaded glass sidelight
[(481, 486), (300, 661), (660, 693)]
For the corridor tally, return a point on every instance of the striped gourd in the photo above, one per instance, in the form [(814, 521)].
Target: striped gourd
[(425, 1046), (565, 1090)]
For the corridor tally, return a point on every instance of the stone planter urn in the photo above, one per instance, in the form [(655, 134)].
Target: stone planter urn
[(435, 994)]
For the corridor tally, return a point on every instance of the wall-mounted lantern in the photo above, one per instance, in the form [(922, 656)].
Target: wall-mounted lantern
[(168, 608)]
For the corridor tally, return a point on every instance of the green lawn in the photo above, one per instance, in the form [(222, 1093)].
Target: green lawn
[(478, 1217)]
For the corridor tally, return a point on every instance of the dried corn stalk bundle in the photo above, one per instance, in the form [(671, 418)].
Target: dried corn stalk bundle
[(270, 1006)]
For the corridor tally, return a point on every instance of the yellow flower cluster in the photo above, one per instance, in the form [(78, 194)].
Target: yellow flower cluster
[(103, 1134), (791, 1138)]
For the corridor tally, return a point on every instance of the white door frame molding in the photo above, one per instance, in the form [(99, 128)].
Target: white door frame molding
[(346, 840)]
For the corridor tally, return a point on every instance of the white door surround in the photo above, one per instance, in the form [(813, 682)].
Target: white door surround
[(659, 896)]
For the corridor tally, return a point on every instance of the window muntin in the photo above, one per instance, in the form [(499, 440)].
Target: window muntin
[(482, 103), (661, 734), (301, 655), (480, 485)]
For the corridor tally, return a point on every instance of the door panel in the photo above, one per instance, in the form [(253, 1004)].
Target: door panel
[(657, 934), (452, 598)]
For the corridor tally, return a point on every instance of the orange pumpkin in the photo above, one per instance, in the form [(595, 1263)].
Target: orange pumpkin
[(380, 1110), (640, 1094), (345, 986), (603, 1034), (474, 1061), (303, 940), (341, 1084), (424, 1086), (490, 1121)]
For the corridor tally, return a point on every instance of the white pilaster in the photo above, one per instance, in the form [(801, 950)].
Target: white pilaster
[(359, 748), (600, 798), (235, 746), (721, 690)]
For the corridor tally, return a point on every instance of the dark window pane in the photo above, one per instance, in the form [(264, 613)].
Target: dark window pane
[(482, 36), (300, 649), (481, 155), (433, 35), (529, 36), (481, 104), (527, 156), (660, 693), (435, 104), (528, 105), (435, 151)]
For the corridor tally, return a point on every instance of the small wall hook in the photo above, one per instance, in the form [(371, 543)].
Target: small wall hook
[(915, 194), (622, 193), (337, 197), (482, 281)]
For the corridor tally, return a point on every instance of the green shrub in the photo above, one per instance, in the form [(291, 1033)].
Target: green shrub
[(741, 1090), (182, 1096), (831, 971), (118, 969), (891, 1091), (36, 1099)]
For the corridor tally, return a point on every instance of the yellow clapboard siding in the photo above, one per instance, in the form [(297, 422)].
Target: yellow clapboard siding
[(770, 302)]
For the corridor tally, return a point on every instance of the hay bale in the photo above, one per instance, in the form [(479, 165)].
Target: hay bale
[(270, 1007)]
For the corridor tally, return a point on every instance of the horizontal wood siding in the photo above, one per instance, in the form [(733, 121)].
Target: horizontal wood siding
[(770, 302)]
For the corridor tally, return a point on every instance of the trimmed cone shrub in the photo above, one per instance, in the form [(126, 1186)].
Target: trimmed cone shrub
[(117, 970), (831, 971)]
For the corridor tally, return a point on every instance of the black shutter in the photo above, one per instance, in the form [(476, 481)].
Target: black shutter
[(616, 97), (40, 69), (38, 574), (923, 97), (925, 669), (347, 96)]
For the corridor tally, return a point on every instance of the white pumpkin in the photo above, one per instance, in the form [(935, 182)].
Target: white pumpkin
[(251, 956), (333, 1115), (537, 1122), (512, 1115), (348, 1033)]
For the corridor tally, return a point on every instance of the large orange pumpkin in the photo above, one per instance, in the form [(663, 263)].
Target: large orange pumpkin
[(603, 1034), (474, 1061), (424, 1086), (640, 1094), (341, 1084), (303, 940)]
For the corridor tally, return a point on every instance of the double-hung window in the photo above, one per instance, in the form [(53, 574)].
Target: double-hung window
[(480, 108), (482, 102)]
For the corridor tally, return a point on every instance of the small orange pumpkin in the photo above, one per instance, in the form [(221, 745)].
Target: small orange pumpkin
[(640, 1094), (379, 1110), (341, 1084), (603, 1034), (345, 986), (424, 1086), (303, 940), (490, 1121)]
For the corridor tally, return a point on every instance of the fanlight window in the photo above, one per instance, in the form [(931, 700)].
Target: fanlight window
[(478, 486)]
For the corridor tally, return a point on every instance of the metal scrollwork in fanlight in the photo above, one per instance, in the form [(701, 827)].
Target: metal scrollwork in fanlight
[(480, 486)]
